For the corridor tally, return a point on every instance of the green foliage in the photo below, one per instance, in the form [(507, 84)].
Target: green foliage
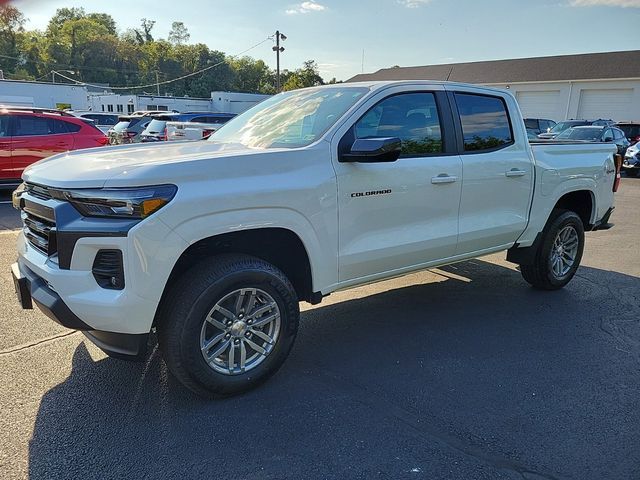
[(91, 46)]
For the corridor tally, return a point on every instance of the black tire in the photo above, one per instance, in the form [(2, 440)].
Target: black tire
[(631, 172), (188, 304), (540, 274)]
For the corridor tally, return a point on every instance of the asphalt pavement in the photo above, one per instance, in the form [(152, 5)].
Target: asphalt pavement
[(462, 372)]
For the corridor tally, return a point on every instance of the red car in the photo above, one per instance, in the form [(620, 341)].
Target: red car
[(31, 134)]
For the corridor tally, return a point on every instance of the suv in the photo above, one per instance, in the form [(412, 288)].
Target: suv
[(157, 128), (562, 126), (104, 121), (31, 134), (595, 133), (631, 131), (539, 125)]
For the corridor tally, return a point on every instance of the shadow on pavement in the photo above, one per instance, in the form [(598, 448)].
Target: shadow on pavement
[(476, 376)]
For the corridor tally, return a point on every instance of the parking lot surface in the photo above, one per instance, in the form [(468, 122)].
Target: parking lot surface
[(462, 372)]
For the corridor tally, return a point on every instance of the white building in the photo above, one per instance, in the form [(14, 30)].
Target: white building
[(224, 102), (587, 86), (232, 102), (44, 95)]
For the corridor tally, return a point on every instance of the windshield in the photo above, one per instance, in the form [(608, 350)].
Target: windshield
[(581, 134), (562, 126), (120, 126), (156, 126), (292, 119)]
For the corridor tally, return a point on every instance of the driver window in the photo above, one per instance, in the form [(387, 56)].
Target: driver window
[(411, 117)]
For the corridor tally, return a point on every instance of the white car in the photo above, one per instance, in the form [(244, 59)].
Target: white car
[(212, 244), (631, 164)]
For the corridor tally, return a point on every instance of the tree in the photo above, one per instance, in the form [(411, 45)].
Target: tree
[(179, 33), (11, 27), (89, 45), (307, 76), (144, 35)]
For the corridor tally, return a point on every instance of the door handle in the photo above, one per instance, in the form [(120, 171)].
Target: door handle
[(514, 172), (443, 178)]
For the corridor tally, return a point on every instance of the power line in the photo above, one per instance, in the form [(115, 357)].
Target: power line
[(166, 82)]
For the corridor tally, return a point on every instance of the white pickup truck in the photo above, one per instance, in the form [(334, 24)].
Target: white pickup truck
[(212, 244)]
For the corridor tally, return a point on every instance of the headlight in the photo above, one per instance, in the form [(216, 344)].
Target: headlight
[(15, 196), (139, 202)]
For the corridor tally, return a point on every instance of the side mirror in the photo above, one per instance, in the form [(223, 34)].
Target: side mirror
[(373, 150), (608, 139)]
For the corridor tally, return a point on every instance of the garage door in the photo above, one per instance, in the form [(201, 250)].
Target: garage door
[(539, 104), (612, 104)]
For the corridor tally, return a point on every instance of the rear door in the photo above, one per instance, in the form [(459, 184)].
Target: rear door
[(37, 137), (498, 171), (400, 214)]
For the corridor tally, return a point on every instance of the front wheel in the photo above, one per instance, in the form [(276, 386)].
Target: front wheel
[(228, 324), (559, 252)]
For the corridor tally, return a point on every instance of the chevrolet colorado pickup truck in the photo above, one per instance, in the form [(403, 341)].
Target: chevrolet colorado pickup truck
[(212, 245)]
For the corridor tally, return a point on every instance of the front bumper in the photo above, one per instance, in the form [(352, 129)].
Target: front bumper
[(30, 288)]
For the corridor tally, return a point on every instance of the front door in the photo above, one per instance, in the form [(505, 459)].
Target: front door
[(404, 213)]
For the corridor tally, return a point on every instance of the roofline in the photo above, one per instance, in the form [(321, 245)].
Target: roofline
[(581, 80)]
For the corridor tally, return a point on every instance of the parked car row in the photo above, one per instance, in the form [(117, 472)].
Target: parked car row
[(162, 126), (31, 134)]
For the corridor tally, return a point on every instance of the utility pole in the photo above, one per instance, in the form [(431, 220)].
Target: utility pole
[(157, 82), (278, 49)]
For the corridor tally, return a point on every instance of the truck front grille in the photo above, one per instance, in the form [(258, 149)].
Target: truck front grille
[(40, 227)]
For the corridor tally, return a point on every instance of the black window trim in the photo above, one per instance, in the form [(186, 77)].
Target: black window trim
[(445, 117), (458, 123)]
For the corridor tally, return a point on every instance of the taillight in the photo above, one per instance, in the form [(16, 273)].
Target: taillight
[(103, 140), (165, 137), (617, 160)]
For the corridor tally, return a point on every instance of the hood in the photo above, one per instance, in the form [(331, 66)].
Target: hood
[(99, 167)]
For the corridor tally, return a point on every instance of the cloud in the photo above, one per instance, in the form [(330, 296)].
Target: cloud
[(605, 3), (305, 7), (413, 3)]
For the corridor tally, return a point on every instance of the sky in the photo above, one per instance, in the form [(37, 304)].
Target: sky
[(340, 34)]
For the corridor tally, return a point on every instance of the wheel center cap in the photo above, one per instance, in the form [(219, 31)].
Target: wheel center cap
[(238, 328)]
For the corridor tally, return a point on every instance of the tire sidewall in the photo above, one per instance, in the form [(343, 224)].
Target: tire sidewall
[(220, 383), (561, 221)]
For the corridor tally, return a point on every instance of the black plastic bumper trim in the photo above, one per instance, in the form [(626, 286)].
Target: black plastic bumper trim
[(50, 302), (126, 346), (603, 223)]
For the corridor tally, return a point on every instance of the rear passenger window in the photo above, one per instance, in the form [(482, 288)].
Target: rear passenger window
[(411, 117), (70, 127), (28, 125), (485, 122), (59, 126)]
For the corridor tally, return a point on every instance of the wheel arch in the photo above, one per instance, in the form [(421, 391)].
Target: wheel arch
[(279, 246)]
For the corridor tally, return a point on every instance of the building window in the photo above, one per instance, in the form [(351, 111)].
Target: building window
[(120, 108), (109, 108), (130, 108), (103, 108)]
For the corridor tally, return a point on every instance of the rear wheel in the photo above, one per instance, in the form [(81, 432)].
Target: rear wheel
[(228, 325), (559, 252)]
